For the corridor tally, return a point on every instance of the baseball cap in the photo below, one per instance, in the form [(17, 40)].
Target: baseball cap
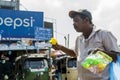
[(82, 12)]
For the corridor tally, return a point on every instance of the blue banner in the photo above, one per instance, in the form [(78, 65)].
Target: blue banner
[(19, 24), (43, 33)]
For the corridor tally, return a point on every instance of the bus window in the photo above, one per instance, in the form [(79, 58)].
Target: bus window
[(72, 62), (36, 64)]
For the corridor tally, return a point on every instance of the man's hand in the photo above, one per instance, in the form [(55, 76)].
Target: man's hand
[(55, 44), (113, 55), (94, 50), (56, 47)]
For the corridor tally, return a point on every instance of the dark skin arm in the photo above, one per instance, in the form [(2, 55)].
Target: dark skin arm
[(112, 54), (64, 49), (70, 52)]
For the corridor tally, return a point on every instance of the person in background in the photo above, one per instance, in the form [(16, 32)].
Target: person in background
[(90, 39), (5, 66)]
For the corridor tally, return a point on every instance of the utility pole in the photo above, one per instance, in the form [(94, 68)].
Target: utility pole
[(65, 41), (68, 40)]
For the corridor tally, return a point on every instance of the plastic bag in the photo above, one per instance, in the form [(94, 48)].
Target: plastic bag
[(115, 69), (96, 62)]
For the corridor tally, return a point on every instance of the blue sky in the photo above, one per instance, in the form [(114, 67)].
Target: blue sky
[(106, 15)]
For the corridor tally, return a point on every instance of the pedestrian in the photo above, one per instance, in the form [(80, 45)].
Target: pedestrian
[(90, 39), (5, 66)]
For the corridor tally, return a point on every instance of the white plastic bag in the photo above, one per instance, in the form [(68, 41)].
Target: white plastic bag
[(115, 70)]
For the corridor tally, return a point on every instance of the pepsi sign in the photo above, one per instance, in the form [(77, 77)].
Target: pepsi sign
[(19, 24)]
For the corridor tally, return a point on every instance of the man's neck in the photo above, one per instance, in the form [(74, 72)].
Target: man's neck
[(87, 32)]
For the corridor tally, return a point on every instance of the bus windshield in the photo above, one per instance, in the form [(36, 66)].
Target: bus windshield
[(36, 63), (72, 62)]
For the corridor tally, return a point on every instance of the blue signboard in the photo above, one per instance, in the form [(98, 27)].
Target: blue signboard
[(19, 24), (43, 33)]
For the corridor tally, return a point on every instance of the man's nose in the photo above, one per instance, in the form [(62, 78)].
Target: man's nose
[(74, 25)]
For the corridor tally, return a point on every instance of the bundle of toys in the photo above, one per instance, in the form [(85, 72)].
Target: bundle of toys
[(96, 62)]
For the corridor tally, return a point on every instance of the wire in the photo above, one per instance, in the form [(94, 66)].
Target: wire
[(23, 7)]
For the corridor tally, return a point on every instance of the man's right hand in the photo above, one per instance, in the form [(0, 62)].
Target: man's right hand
[(56, 47)]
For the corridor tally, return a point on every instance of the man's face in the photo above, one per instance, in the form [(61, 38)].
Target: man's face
[(78, 23)]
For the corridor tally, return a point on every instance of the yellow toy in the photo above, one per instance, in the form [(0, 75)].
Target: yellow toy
[(53, 41)]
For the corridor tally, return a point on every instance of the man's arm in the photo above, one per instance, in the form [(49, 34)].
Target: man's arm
[(64, 49), (110, 44), (112, 54)]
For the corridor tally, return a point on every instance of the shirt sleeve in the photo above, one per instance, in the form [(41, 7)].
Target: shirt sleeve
[(109, 41)]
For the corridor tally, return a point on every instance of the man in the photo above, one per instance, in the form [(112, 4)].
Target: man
[(90, 39)]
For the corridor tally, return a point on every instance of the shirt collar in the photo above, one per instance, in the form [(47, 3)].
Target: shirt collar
[(92, 33)]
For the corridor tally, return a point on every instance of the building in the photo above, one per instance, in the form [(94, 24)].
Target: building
[(9, 4)]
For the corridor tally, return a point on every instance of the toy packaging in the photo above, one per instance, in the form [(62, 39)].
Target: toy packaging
[(96, 62)]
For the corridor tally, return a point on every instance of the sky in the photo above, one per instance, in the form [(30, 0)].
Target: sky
[(106, 15)]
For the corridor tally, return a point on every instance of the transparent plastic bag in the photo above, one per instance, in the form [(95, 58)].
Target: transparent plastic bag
[(96, 62), (115, 69)]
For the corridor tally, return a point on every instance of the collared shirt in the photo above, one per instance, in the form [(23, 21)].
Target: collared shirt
[(98, 39)]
